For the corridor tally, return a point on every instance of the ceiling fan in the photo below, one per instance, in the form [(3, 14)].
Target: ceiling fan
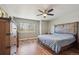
[(45, 12)]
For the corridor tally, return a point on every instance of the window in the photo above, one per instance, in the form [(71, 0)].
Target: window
[(27, 27)]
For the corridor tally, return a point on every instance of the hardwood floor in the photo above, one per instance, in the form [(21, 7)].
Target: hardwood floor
[(32, 47)]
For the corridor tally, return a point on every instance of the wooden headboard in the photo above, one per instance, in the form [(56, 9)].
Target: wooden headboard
[(66, 28)]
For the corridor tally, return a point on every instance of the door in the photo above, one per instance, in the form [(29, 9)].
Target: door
[(4, 37)]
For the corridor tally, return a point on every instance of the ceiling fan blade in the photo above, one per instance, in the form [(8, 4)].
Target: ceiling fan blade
[(50, 10), (40, 10), (50, 14), (39, 14)]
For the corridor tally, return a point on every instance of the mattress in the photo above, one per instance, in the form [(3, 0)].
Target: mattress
[(56, 41)]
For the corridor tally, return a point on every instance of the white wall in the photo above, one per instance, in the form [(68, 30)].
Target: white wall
[(68, 18)]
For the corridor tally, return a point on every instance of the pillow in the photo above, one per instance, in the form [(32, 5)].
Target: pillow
[(65, 33)]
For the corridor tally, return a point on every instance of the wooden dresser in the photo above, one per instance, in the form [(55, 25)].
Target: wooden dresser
[(8, 37)]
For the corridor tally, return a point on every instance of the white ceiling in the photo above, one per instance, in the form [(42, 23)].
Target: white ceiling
[(29, 11)]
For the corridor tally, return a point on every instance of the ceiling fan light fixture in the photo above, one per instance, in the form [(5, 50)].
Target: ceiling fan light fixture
[(44, 14)]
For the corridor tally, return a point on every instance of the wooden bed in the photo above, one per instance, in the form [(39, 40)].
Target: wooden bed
[(64, 28)]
